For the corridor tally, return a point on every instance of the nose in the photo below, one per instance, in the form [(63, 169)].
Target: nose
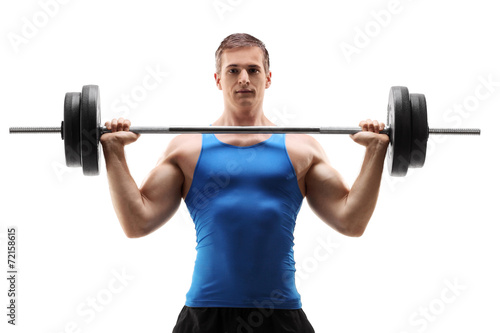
[(243, 78)]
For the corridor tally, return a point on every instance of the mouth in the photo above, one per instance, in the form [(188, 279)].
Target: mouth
[(244, 91)]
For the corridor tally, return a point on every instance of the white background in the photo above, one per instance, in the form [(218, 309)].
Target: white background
[(434, 228)]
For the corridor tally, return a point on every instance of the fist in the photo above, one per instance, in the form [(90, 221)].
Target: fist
[(370, 134), (119, 132)]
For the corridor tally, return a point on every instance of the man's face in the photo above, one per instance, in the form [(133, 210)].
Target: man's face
[(242, 78)]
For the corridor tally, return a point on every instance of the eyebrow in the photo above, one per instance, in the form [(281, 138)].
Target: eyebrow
[(250, 66)]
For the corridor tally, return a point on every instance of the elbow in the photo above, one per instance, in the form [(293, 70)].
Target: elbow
[(133, 229), (134, 234), (354, 225), (353, 228), (356, 232)]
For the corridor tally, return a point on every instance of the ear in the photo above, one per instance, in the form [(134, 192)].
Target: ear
[(268, 80), (217, 81)]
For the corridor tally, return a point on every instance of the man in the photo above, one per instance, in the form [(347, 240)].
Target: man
[(244, 192)]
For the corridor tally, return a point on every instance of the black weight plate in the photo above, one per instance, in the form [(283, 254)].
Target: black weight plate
[(420, 130), (399, 121), (71, 129), (90, 129)]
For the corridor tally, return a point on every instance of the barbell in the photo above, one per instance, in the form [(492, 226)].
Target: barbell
[(407, 129)]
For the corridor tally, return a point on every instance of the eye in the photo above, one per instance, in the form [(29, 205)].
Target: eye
[(254, 70), (232, 71)]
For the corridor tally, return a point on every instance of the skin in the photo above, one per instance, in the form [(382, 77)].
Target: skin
[(243, 82)]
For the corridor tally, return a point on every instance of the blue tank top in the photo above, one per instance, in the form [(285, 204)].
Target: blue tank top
[(244, 202)]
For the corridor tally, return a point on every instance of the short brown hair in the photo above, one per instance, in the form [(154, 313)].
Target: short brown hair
[(240, 40)]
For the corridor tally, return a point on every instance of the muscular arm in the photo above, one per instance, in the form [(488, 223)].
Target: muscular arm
[(145, 209), (347, 210)]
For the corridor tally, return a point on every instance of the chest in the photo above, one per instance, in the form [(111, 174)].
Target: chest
[(245, 161)]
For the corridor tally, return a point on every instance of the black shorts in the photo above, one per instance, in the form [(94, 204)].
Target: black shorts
[(241, 320)]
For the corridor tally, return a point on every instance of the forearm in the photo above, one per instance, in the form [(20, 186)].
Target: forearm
[(362, 198), (125, 195)]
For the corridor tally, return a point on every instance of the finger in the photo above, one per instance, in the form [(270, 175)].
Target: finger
[(370, 125), (119, 124), (376, 126), (126, 125), (363, 125), (382, 126), (107, 125), (114, 123)]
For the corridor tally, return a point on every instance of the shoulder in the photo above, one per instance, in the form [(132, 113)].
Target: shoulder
[(304, 152), (183, 146), (184, 139), (305, 144)]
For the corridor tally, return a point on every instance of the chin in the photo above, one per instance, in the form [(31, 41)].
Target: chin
[(246, 106)]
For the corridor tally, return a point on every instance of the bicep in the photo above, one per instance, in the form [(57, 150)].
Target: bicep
[(162, 193), (326, 193)]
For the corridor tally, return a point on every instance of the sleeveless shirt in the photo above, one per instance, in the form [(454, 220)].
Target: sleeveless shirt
[(244, 202)]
